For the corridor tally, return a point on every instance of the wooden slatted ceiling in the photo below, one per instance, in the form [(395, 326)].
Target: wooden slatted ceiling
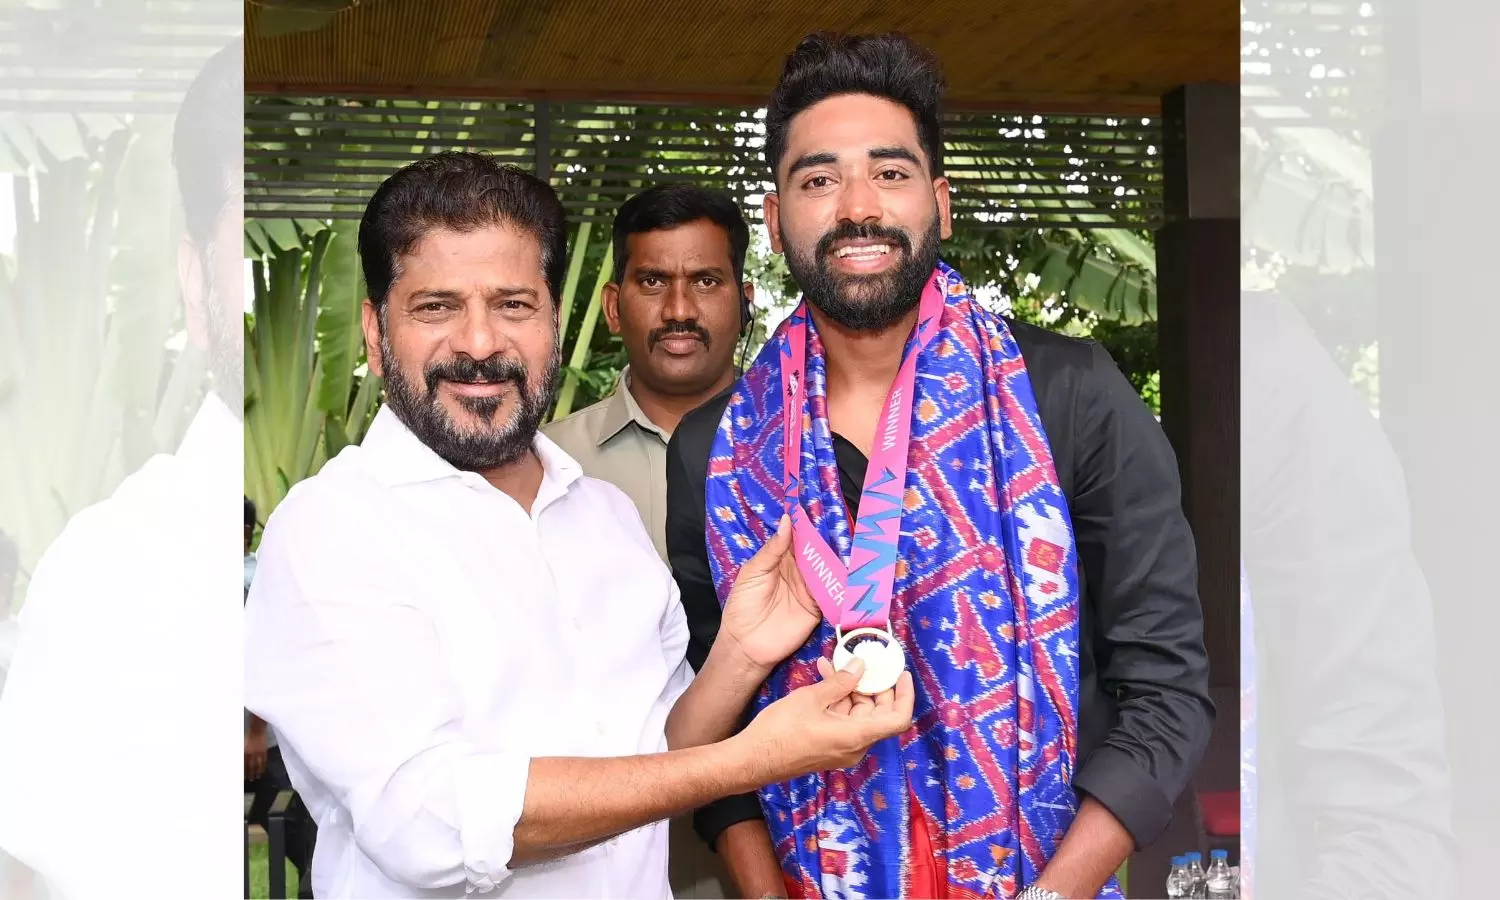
[(323, 157), (62, 60), (1031, 55)]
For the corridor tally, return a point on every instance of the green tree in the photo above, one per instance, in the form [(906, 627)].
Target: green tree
[(307, 391), (96, 374), (1026, 272)]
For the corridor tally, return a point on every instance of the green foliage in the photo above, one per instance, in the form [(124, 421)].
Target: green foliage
[(305, 396), (1048, 278), (592, 356), (582, 348), (96, 374), (1133, 346), (1109, 272), (1134, 349)]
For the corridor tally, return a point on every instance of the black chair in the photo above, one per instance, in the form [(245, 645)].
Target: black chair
[(276, 844), (276, 833)]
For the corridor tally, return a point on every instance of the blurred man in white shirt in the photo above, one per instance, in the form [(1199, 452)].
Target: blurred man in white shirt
[(120, 677), (471, 653)]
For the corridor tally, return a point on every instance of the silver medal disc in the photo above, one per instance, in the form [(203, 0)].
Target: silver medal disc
[(882, 655)]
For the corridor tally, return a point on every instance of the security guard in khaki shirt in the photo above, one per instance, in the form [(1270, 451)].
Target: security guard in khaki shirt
[(679, 303), (615, 441)]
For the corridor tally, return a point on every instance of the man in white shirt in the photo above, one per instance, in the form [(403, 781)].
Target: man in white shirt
[(116, 722), (472, 654)]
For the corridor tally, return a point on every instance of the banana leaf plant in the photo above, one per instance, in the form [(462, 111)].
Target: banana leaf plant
[(307, 392), (96, 375), (1110, 272)]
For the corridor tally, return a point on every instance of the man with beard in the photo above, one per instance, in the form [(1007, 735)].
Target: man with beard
[(114, 724), (470, 652), (984, 503)]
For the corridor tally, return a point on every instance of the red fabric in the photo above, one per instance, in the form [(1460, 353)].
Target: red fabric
[(1221, 813), (927, 876)]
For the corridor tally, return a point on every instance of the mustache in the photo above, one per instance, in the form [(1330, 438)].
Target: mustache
[(495, 369), (848, 231), (692, 329)]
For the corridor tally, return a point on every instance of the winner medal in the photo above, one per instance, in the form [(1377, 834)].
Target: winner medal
[(878, 649), (855, 598)]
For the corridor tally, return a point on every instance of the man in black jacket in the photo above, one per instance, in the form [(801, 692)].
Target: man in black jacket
[(853, 141)]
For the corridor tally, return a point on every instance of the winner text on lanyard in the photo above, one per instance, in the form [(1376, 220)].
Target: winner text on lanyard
[(856, 600)]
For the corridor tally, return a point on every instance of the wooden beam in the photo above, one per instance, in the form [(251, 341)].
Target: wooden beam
[(1091, 104)]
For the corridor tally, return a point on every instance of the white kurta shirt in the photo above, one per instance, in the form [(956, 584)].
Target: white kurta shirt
[(415, 638), (125, 675)]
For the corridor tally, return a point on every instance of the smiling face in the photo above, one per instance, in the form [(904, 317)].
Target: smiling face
[(857, 214), (467, 344)]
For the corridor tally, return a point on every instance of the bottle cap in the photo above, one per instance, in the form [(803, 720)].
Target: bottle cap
[(1219, 854), (1195, 857)]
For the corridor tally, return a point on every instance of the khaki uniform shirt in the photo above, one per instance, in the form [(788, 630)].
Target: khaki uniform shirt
[(615, 442)]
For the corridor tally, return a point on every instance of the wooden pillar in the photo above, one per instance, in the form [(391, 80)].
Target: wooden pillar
[(1197, 274)]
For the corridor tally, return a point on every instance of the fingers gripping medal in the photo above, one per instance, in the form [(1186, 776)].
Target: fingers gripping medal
[(879, 650), (856, 599)]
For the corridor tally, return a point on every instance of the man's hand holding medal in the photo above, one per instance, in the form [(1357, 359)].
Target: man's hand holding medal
[(770, 613)]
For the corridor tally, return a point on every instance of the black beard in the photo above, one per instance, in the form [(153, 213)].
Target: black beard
[(486, 447), (865, 302)]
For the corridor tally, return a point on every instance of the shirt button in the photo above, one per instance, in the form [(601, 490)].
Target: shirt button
[(577, 624)]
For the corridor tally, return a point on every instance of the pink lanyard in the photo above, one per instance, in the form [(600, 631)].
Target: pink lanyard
[(857, 596)]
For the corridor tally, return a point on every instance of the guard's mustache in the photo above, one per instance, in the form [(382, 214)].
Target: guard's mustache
[(692, 329)]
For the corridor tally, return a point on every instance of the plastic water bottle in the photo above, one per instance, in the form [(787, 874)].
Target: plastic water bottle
[(1219, 882), (1177, 879), (1196, 876)]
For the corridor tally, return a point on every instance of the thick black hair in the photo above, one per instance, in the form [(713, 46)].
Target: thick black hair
[(459, 192), (889, 66), (671, 205), (249, 513)]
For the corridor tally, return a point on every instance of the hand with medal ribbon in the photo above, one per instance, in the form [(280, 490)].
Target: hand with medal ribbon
[(769, 612), (796, 579), (856, 599), (768, 615), (866, 693)]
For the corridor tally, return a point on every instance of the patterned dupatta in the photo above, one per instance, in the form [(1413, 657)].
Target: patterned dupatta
[(985, 604)]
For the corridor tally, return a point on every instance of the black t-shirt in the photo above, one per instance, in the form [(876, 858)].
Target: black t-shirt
[(1144, 713)]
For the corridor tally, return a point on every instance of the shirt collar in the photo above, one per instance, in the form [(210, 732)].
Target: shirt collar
[(398, 457), (620, 410)]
